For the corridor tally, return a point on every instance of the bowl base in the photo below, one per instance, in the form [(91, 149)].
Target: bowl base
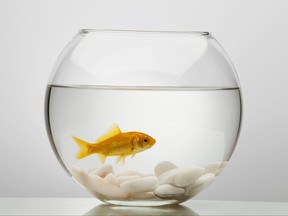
[(142, 202)]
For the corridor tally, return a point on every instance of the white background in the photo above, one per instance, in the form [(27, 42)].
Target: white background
[(254, 34)]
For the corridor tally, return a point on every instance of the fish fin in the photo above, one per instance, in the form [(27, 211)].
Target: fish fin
[(113, 131), (118, 159), (102, 158), (83, 148), (121, 159)]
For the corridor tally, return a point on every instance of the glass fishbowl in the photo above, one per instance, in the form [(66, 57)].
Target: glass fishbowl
[(143, 118)]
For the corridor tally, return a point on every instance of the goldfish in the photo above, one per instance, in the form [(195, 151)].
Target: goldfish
[(115, 143)]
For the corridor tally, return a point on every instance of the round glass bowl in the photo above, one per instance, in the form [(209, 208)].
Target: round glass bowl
[(143, 118)]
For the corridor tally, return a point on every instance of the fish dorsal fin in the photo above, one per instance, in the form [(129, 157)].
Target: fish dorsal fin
[(113, 131)]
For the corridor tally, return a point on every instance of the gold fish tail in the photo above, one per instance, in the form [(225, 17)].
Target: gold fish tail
[(83, 148)]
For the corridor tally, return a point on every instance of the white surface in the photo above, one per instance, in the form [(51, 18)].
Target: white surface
[(90, 206), (254, 33)]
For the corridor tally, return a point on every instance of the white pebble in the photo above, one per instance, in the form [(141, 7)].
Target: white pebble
[(138, 185), (199, 184), (99, 185), (103, 170), (79, 175), (163, 167), (187, 175), (144, 195), (146, 175), (168, 191), (129, 173), (168, 177), (112, 179), (215, 168), (122, 179)]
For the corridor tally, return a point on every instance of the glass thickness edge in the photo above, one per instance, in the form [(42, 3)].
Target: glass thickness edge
[(153, 88)]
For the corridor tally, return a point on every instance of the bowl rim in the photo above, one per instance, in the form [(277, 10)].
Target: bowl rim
[(143, 31)]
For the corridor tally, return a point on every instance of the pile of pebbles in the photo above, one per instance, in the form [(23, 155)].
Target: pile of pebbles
[(168, 182)]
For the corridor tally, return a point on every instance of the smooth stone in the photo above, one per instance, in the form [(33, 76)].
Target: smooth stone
[(199, 185), (122, 179), (103, 170), (187, 175), (137, 185), (146, 175), (168, 177), (129, 173), (215, 168), (163, 166), (168, 191), (144, 195), (79, 175), (112, 179), (91, 169), (99, 185)]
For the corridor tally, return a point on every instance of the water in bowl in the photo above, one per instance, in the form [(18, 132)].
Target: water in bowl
[(195, 128)]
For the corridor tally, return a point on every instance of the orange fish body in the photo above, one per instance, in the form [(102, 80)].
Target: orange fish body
[(115, 143)]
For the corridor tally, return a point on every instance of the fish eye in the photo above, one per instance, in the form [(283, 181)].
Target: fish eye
[(145, 140)]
